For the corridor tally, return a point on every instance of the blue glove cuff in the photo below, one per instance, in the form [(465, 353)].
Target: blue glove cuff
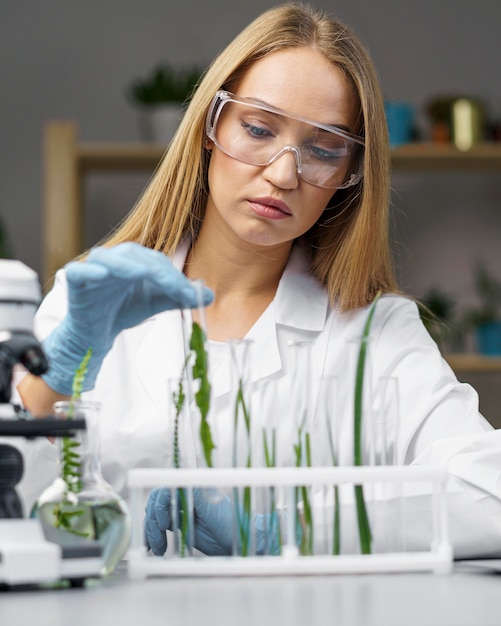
[(65, 355)]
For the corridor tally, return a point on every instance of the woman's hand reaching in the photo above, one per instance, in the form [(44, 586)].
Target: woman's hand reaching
[(113, 289)]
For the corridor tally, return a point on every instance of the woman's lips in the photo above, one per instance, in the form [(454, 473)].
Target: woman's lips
[(270, 208)]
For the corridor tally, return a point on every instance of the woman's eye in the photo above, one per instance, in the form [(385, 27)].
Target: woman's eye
[(324, 154), (256, 131)]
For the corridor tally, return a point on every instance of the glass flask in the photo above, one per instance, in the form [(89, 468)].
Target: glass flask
[(80, 501)]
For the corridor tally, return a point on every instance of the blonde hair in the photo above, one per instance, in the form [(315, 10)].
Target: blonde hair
[(349, 245)]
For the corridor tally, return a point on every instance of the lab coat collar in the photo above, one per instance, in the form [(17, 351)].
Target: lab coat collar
[(300, 303)]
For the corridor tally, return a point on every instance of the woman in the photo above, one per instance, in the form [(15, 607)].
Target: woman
[(274, 192)]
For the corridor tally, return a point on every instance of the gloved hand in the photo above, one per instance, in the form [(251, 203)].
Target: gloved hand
[(113, 289), (213, 523)]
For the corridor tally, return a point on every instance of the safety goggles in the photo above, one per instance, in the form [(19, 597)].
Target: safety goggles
[(256, 133)]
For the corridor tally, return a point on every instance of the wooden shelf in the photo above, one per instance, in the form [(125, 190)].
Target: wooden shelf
[(474, 362), (118, 156), (442, 157)]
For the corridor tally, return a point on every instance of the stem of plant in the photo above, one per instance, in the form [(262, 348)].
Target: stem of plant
[(305, 526), (270, 461), (336, 543), (364, 529), (243, 518), (71, 462), (178, 399), (202, 396)]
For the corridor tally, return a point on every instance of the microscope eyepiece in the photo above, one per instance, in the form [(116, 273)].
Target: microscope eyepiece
[(19, 347)]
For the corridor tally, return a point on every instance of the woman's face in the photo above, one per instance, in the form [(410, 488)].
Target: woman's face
[(271, 205)]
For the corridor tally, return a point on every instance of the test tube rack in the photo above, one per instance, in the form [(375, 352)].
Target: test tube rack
[(437, 557)]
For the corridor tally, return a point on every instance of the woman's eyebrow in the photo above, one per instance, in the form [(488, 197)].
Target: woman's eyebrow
[(278, 111)]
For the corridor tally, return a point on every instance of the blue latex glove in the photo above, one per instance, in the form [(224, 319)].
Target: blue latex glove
[(113, 289), (213, 523)]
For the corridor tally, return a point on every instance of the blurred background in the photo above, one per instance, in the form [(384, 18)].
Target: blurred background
[(76, 61)]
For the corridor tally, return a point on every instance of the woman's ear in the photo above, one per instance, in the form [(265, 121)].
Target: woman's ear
[(208, 144)]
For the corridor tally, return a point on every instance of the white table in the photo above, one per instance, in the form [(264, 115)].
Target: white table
[(469, 596)]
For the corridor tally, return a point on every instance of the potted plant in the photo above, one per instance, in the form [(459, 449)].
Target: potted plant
[(438, 312), (5, 249), (485, 319), (160, 97)]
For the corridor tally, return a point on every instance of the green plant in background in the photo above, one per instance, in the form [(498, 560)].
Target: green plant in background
[(364, 529), (488, 291), (71, 462), (5, 247), (438, 311), (164, 84)]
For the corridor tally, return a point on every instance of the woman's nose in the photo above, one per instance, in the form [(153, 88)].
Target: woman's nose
[(283, 170)]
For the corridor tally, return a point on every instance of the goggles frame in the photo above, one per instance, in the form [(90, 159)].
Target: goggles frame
[(222, 97)]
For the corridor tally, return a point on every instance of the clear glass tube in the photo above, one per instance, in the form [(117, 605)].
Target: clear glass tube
[(197, 373), (300, 402), (265, 454), (241, 401), (363, 434), (182, 454), (388, 525), (327, 438)]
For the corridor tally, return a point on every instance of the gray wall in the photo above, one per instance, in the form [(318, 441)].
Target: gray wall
[(73, 60)]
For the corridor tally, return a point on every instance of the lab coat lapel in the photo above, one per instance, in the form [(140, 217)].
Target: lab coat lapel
[(299, 308), (264, 355), (301, 301)]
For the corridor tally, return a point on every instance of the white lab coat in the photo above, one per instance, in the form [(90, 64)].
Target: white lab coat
[(439, 421)]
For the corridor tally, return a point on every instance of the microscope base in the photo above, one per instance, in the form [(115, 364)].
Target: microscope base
[(27, 557)]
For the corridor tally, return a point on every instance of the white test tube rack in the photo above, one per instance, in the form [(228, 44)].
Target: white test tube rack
[(438, 558)]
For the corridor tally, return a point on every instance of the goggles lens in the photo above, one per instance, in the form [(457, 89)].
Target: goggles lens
[(258, 134)]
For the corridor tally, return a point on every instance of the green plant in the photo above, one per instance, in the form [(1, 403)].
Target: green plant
[(164, 84), (336, 522), (270, 458), (199, 371), (70, 459), (243, 517), (302, 451), (438, 312), (488, 291), (202, 397), (364, 529), (178, 399), (5, 247)]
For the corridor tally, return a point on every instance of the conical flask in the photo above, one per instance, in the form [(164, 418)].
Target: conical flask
[(80, 501)]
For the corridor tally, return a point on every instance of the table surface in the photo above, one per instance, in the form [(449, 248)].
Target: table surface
[(470, 596)]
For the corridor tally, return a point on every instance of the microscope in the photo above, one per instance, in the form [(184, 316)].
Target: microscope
[(27, 556)]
